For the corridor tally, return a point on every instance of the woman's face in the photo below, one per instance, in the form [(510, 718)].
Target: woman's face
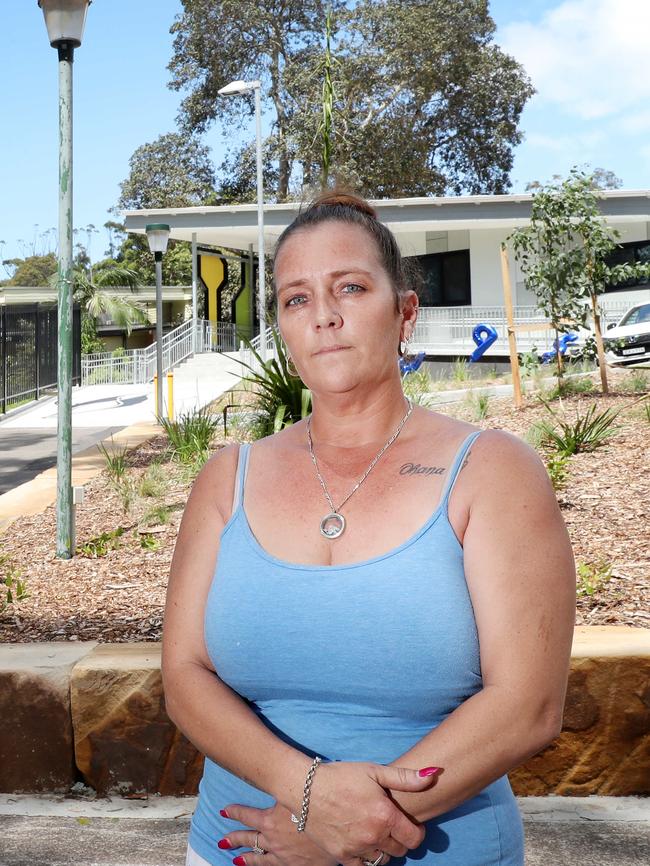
[(336, 307)]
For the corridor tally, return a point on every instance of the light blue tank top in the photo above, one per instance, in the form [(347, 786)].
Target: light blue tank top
[(352, 662)]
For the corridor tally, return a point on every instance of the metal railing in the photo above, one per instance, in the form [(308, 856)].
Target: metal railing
[(448, 330), (439, 331), (137, 366)]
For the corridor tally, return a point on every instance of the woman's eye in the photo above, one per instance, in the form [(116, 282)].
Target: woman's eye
[(353, 288), (297, 299)]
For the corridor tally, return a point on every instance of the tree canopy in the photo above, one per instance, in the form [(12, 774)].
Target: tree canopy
[(34, 270), (173, 171), (424, 101)]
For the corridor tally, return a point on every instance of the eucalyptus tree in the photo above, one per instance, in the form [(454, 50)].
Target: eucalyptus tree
[(423, 101)]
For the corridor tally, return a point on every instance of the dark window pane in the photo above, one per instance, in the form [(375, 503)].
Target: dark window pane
[(431, 293), (446, 279), (455, 270)]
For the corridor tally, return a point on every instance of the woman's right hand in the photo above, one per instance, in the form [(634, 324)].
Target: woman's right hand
[(351, 815)]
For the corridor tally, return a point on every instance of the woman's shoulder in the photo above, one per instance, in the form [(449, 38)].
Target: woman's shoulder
[(493, 454), (214, 486)]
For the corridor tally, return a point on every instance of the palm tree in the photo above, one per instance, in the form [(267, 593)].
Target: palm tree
[(95, 298)]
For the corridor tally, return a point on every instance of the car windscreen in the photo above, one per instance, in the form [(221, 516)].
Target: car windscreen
[(636, 315)]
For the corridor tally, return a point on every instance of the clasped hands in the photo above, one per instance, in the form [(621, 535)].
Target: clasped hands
[(351, 818)]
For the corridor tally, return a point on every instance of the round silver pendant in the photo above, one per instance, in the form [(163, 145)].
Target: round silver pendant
[(332, 525)]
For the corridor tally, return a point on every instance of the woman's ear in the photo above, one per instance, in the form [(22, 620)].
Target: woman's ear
[(409, 313)]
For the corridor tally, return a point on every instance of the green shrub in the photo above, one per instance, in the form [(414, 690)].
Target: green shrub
[(417, 387), (157, 515), (478, 401), (529, 362), (281, 399), (150, 542), (13, 587), (460, 372), (191, 434), (566, 387), (115, 461), (154, 482), (592, 577), (534, 435), (586, 433), (101, 544), (557, 468), (637, 380)]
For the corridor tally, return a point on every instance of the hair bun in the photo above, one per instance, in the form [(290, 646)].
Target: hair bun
[(341, 197)]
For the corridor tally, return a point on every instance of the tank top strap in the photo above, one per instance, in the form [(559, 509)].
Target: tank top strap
[(240, 475), (455, 466)]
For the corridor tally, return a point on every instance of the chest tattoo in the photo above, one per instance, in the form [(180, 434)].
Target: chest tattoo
[(418, 469)]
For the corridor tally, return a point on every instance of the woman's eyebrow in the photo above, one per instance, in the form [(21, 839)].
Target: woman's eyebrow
[(301, 281)]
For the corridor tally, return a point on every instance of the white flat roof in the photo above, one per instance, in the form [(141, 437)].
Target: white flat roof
[(235, 226)]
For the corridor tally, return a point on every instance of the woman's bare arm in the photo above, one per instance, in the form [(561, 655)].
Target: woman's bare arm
[(520, 573), (213, 716)]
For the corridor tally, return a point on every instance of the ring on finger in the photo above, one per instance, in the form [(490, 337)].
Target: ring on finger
[(256, 847), (376, 862)]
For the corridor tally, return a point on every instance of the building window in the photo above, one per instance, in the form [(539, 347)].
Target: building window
[(631, 253), (446, 279)]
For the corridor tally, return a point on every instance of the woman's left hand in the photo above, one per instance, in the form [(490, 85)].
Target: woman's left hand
[(277, 835)]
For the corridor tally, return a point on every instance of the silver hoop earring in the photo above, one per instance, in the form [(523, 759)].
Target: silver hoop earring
[(291, 367), (403, 347)]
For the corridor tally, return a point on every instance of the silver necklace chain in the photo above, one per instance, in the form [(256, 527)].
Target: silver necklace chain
[(335, 513)]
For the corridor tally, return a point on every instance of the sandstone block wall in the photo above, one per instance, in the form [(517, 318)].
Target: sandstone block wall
[(97, 711), (36, 738), (123, 739), (604, 747)]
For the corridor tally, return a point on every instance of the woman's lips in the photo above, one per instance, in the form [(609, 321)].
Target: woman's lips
[(328, 349)]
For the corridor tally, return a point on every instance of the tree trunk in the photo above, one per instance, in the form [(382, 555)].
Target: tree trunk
[(558, 359), (599, 345), (284, 163)]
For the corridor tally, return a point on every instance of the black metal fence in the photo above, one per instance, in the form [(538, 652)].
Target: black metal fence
[(28, 352)]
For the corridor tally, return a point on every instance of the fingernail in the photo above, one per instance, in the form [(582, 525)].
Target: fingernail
[(224, 843), (223, 813), (428, 771), (239, 861)]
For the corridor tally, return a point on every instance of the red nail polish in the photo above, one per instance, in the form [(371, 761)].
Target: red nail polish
[(223, 813), (428, 771), (224, 843), (239, 861)]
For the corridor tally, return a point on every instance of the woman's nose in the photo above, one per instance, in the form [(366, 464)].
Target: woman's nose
[(327, 316)]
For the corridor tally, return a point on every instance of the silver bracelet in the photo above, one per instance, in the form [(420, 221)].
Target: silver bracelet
[(305, 797)]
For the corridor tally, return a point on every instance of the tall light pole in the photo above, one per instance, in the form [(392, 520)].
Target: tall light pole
[(65, 21), (158, 235), (236, 88)]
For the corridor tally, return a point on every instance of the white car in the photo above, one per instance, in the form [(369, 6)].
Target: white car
[(628, 342)]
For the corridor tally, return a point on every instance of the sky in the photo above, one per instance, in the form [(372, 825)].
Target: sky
[(586, 59)]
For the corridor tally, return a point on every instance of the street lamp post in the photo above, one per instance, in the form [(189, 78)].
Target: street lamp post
[(158, 235), (236, 88), (65, 20)]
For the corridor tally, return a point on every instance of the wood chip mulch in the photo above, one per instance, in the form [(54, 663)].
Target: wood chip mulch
[(119, 597)]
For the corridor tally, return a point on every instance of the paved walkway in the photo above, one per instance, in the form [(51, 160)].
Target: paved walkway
[(45, 831), (28, 437)]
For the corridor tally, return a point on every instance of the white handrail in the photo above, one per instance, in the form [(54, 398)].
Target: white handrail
[(137, 366)]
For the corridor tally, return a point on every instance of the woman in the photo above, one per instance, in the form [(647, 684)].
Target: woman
[(420, 665)]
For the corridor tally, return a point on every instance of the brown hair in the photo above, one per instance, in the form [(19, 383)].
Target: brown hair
[(341, 205)]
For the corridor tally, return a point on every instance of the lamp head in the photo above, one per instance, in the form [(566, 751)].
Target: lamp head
[(236, 88), (65, 21), (157, 235)]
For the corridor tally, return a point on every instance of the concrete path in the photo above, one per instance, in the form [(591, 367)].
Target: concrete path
[(28, 437), (46, 831)]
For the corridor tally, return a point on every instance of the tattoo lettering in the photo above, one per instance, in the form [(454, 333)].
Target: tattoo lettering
[(417, 469)]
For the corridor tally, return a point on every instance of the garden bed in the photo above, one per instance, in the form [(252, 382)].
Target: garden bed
[(119, 596)]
